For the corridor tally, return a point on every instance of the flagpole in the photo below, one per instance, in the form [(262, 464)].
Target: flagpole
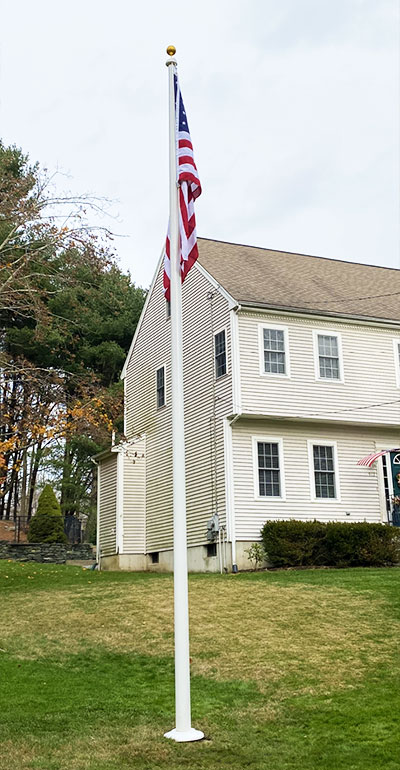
[(183, 730)]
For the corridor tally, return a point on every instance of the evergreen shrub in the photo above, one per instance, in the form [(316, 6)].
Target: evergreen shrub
[(333, 544), (47, 525)]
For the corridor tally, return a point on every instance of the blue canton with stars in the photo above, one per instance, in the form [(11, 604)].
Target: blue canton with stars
[(182, 119)]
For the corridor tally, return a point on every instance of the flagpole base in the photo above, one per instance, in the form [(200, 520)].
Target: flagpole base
[(184, 736)]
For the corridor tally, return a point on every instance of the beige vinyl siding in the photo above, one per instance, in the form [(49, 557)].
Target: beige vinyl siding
[(368, 363), (108, 505), (202, 439), (359, 491), (151, 351), (207, 401), (134, 499)]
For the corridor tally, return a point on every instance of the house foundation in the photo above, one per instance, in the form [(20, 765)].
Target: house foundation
[(163, 561)]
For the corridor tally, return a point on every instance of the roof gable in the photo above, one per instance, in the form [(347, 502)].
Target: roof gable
[(153, 288)]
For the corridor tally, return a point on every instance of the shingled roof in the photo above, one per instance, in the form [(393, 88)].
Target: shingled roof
[(298, 282)]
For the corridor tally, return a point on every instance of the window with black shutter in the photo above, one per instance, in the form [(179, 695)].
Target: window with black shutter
[(160, 387), (220, 354)]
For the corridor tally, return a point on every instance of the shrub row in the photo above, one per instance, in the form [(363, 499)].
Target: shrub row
[(332, 544)]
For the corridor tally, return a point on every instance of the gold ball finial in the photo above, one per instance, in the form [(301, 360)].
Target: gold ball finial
[(171, 50)]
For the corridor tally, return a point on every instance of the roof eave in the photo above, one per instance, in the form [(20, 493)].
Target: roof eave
[(320, 419), (245, 303)]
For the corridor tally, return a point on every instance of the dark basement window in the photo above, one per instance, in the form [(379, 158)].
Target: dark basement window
[(211, 549), (155, 557)]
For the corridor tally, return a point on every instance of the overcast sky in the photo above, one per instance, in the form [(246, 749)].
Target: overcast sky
[(293, 107)]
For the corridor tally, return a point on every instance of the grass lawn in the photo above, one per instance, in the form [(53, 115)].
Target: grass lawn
[(290, 670)]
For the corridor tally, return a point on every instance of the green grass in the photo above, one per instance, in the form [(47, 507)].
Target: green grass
[(291, 670)]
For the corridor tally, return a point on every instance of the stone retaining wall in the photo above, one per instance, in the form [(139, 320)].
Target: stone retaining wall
[(79, 551), (54, 553)]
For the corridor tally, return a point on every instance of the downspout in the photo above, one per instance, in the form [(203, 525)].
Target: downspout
[(233, 528), (224, 533), (234, 418), (119, 505)]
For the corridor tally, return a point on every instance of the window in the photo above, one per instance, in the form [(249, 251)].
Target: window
[(274, 350), (155, 557), (328, 357), (328, 354), (220, 354), (268, 456), (211, 549), (161, 387), (325, 483)]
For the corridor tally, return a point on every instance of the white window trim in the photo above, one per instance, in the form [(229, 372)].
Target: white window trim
[(285, 330), (222, 329), (396, 345), (378, 469), (268, 440), (322, 442), (119, 505), (161, 366), (328, 333)]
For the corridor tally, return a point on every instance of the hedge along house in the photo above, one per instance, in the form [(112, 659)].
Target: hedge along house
[(291, 375)]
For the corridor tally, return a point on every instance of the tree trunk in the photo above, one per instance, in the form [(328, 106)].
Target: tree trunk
[(10, 475), (67, 500), (33, 476), (16, 491), (23, 484), (10, 494)]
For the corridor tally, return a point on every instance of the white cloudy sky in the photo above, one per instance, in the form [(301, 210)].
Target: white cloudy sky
[(293, 107)]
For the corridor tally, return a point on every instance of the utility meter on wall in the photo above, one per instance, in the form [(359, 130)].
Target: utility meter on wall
[(213, 527)]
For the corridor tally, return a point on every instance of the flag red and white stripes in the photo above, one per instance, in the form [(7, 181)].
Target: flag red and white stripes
[(370, 459), (189, 190)]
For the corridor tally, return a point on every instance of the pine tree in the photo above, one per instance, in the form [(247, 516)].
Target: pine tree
[(47, 525), (67, 317)]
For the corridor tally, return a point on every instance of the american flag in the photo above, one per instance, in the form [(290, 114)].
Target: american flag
[(189, 190), (370, 459)]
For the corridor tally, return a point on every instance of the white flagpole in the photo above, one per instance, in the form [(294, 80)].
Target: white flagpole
[(183, 730)]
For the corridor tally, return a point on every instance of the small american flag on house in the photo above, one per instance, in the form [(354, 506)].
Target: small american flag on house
[(189, 190), (370, 459)]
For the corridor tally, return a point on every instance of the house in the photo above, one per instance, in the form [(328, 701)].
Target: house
[(291, 374)]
